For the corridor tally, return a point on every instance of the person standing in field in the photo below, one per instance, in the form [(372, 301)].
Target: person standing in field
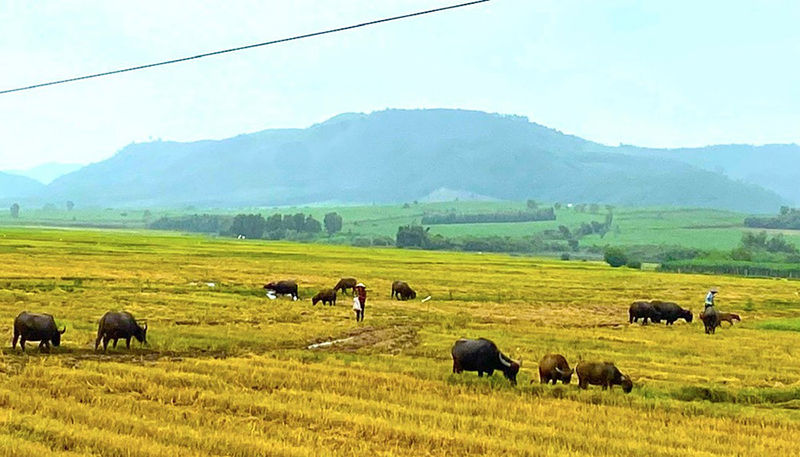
[(360, 301)]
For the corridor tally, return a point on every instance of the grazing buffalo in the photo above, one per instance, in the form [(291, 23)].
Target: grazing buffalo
[(402, 291), (602, 374), (283, 288), (554, 367), (482, 355), (325, 296), (710, 318), (643, 310), (114, 326), (727, 317), (670, 312), (36, 327), (346, 283)]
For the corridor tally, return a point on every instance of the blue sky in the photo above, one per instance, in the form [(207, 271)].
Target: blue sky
[(649, 73)]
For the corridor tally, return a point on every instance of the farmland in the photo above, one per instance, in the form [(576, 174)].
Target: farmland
[(227, 371), (689, 227)]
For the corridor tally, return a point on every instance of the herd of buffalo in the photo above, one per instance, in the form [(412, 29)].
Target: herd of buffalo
[(42, 328), (479, 355)]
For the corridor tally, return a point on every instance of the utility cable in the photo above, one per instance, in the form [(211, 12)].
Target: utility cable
[(241, 48)]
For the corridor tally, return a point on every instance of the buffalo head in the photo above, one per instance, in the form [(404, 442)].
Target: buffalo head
[(56, 339), (627, 384), (565, 376), (510, 368)]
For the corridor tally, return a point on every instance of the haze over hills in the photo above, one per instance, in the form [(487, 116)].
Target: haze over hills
[(47, 172), (396, 156), (14, 186)]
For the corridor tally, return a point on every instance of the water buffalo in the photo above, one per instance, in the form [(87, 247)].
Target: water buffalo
[(283, 288), (325, 296), (402, 291), (602, 374), (482, 355), (36, 327), (643, 310), (670, 312), (346, 283), (710, 318), (727, 317), (554, 367), (114, 326)]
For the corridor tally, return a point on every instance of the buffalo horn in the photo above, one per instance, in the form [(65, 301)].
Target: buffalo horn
[(145, 325), (63, 330), (503, 361), (559, 371)]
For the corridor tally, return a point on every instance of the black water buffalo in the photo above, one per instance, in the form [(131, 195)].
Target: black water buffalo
[(325, 296), (670, 312), (402, 291), (283, 288), (482, 355), (114, 326), (602, 374), (36, 327), (554, 367), (643, 310), (346, 283), (710, 318)]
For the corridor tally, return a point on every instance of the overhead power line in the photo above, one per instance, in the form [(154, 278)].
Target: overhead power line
[(242, 48)]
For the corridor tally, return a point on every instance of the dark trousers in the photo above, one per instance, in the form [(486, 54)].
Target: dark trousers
[(360, 314)]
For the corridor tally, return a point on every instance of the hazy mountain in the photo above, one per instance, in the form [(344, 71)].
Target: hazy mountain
[(47, 172), (774, 166), (13, 186), (398, 156)]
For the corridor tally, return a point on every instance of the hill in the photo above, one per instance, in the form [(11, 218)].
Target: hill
[(772, 166), (13, 186), (396, 156), (48, 172)]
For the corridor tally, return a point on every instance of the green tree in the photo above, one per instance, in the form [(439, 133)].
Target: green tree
[(615, 257), (70, 205), (15, 210), (411, 236), (296, 222), (312, 225), (531, 204), (333, 223), (249, 225)]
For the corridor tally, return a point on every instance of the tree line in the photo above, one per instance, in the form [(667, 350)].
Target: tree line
[(275, 227), (547, 214), (787, 218)]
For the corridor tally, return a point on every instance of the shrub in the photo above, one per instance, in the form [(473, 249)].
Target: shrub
[(615, 257), (635, 264)]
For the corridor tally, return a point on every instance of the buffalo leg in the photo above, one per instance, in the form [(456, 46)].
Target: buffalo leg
[(97, 342), (480, 374), (44, 346), (115, 342), (128, 342), (105, 343), (16, 337), (22, 344)]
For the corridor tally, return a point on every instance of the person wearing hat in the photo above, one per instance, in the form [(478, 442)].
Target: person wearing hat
[(360, 301), (710, 297)]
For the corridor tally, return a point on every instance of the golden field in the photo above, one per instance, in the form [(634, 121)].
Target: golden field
[(227, 371)]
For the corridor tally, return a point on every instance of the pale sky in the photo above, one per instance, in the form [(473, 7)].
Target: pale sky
[(650, 73)]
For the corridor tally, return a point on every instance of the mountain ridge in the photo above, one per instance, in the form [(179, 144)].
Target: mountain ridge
[(395, 156)]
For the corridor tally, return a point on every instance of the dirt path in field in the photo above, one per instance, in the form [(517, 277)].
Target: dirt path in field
[(387, 340)]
